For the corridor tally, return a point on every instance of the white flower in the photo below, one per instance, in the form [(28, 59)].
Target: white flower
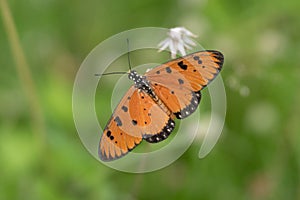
[(178, 39)]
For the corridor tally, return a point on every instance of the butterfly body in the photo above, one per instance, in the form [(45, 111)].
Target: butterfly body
[(147, 111)]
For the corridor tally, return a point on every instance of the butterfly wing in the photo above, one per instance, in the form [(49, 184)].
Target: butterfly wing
[(136, 117), (178, 82)]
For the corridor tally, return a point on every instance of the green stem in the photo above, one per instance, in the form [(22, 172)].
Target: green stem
[(24, 74)]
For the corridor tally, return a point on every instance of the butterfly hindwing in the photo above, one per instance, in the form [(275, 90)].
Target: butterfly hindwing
[(136, 117), (178, 82), (150, 117)]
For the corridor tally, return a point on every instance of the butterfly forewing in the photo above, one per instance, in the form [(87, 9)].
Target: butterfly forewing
[(114, 142), (136, 117), (178, 82)]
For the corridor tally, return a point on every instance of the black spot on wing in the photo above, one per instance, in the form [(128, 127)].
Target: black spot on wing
[(182, 65), (108, 133), (168, 70), (197, 58), (134, 122), (180, 81), (124, 108), (118, 121)]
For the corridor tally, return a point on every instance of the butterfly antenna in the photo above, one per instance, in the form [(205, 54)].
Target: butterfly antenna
[(110, 73), (128, 57)]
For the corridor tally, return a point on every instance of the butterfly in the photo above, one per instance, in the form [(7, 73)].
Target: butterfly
[(148, 109)]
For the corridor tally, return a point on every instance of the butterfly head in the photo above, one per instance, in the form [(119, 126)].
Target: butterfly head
[(132, 75), (139, 81)]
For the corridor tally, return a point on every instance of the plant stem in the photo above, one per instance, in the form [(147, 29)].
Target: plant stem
[(24, 73)]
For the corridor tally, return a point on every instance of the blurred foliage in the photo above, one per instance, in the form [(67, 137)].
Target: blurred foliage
[(257, 156)]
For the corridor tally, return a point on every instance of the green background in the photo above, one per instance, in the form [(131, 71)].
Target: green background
[(258, 154)]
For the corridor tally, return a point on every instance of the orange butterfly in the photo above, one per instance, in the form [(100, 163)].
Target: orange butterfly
[(148, 109)]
